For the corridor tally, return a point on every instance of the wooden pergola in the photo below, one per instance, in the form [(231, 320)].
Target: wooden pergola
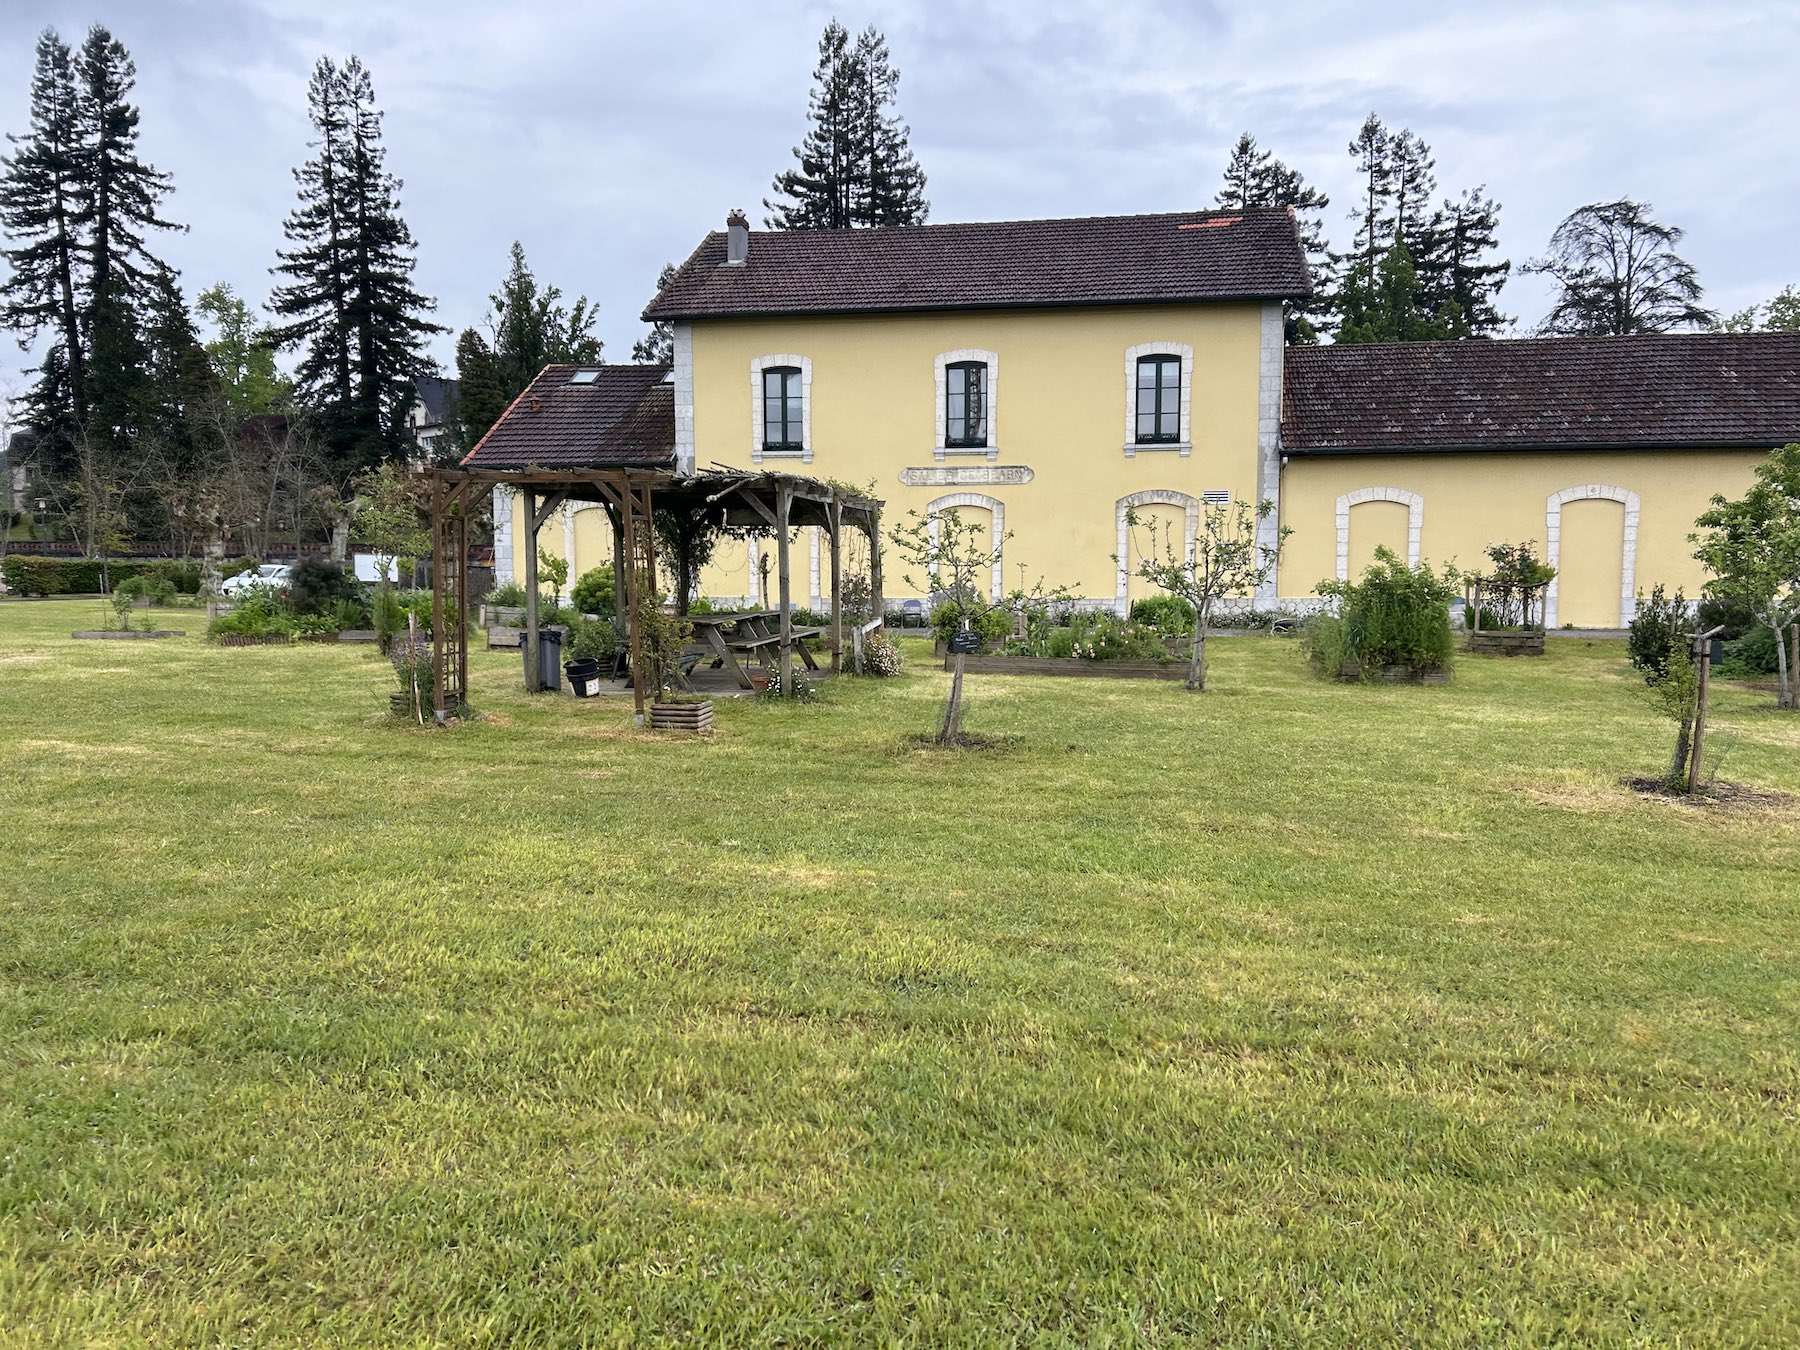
[(731, 498)]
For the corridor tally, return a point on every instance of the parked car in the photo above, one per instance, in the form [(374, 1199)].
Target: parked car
[(270, 576)]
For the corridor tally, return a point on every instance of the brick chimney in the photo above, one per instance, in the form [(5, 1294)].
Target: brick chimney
[(737, 239)]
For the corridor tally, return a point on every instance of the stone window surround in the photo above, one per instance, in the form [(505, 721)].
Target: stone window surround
[(757, 366), (940, 365), (1185, 444), (1148, 497), (1553, 512), (1415, 521), (996, 530)]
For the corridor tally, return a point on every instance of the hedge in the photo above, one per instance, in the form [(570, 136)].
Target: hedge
[(28, 574)]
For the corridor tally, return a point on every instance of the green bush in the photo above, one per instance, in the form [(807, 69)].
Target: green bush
[(600, 639), (28, 574), (1168, 614), (994, 625), (1107, 637), (510, 595), (1736, 617), (1659, 629), (259, 615), (592, 594), (317, 583), (1748, 657), (1394, 616)]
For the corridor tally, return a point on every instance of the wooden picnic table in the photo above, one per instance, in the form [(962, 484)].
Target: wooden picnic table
[(752, 634)]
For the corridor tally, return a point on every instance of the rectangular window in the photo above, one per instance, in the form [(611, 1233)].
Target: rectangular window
[(965, 404), (782, 410), (1158, 400)]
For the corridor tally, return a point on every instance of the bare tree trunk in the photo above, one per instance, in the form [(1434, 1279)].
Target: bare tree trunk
[(1784, 695), (1793, 662), (1196, 680), (952, 727)]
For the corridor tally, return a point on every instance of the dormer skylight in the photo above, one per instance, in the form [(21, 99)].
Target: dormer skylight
[(584, 377)]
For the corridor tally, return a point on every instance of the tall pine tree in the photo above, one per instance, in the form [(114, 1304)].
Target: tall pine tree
[(349, 300), (479, 398), (856, 166), (1455, 263), (40, 188), (532, 328), (1372, 149), (657, 347), (1254, 177)]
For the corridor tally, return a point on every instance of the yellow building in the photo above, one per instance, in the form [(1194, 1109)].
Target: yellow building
[(1047, 377)]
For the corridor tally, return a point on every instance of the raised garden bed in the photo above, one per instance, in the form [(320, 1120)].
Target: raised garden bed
[(1393, 675), (128, 635), (1070, 665), (682, 715), (247, 640), (1508, 642)]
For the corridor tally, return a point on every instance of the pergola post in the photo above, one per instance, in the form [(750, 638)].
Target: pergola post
[(834, 514), (876, 600), (532, 683), (620, 612), (784, 500)]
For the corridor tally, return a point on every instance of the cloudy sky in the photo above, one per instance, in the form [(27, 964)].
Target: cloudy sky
[(608, 137)]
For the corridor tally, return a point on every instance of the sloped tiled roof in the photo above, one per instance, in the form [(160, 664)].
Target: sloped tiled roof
[(1102, 260), (1687, 389), (622, 416)]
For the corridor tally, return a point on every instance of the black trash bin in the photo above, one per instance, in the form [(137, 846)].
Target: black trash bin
[(549, 659), (584, 676)]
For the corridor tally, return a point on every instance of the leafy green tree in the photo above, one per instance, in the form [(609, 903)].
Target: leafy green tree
[(348, 298), (479, 398), (1780, 315), (532, 328), (242, 354), (1617, 273), (1751, 546), (1254, 177), (1225, 559), (856, 166)]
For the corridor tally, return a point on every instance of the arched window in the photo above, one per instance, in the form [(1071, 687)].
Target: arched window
[(1158, 400), (783, 409), (965, 404)]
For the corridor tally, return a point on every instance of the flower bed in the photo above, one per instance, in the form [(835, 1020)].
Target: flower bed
[(1508, 642), (1069, 665)]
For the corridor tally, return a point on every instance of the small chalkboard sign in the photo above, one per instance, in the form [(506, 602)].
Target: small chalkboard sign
[(965, 643)]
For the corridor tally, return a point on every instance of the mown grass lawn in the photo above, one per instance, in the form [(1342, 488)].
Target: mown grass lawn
[(1288, 1014)]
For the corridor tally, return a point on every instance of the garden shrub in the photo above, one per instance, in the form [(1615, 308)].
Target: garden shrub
[(511, 594), (592, 593), (317, 582), (993, 625), (1659, 629), (600, 639), (1736, 617), (1169, 615), (1107, 637), (29, 574), (880, 656), (1395, 615), (259, 615), (1748, 657)]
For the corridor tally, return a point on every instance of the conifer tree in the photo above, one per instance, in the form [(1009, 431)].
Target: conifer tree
[(349, 300), (1372, 149), (1254, 177), (1383, 305), (1411, 186), (479, 397), (1618, 273), (532, 328), (856, 166), (1454, 263), (40, 186), (657, 347)]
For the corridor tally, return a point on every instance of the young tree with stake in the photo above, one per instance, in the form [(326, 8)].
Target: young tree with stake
[(954, 557), (1225, 559), (1752, 548)]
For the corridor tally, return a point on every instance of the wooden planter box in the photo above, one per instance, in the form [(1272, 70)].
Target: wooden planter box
[(1509, 642), (244, 640), (129, 635), (400, 704), (692, 716), (1070, 665), (1394, 675)]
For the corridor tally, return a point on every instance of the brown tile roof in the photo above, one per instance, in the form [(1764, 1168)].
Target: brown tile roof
[(1102, 260), (625, 415), (1687, 389)]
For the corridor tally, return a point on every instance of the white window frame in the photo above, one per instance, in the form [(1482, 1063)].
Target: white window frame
[(1183, 446), (757, 366), (941, 364)]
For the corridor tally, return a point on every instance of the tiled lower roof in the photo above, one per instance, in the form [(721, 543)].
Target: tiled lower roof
[(1687, 389), (613, 416)]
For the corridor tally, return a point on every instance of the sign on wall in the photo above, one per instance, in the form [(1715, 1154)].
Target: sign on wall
[(968, 475)]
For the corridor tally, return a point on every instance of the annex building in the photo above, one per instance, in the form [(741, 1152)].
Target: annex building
[(1047, 377)]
